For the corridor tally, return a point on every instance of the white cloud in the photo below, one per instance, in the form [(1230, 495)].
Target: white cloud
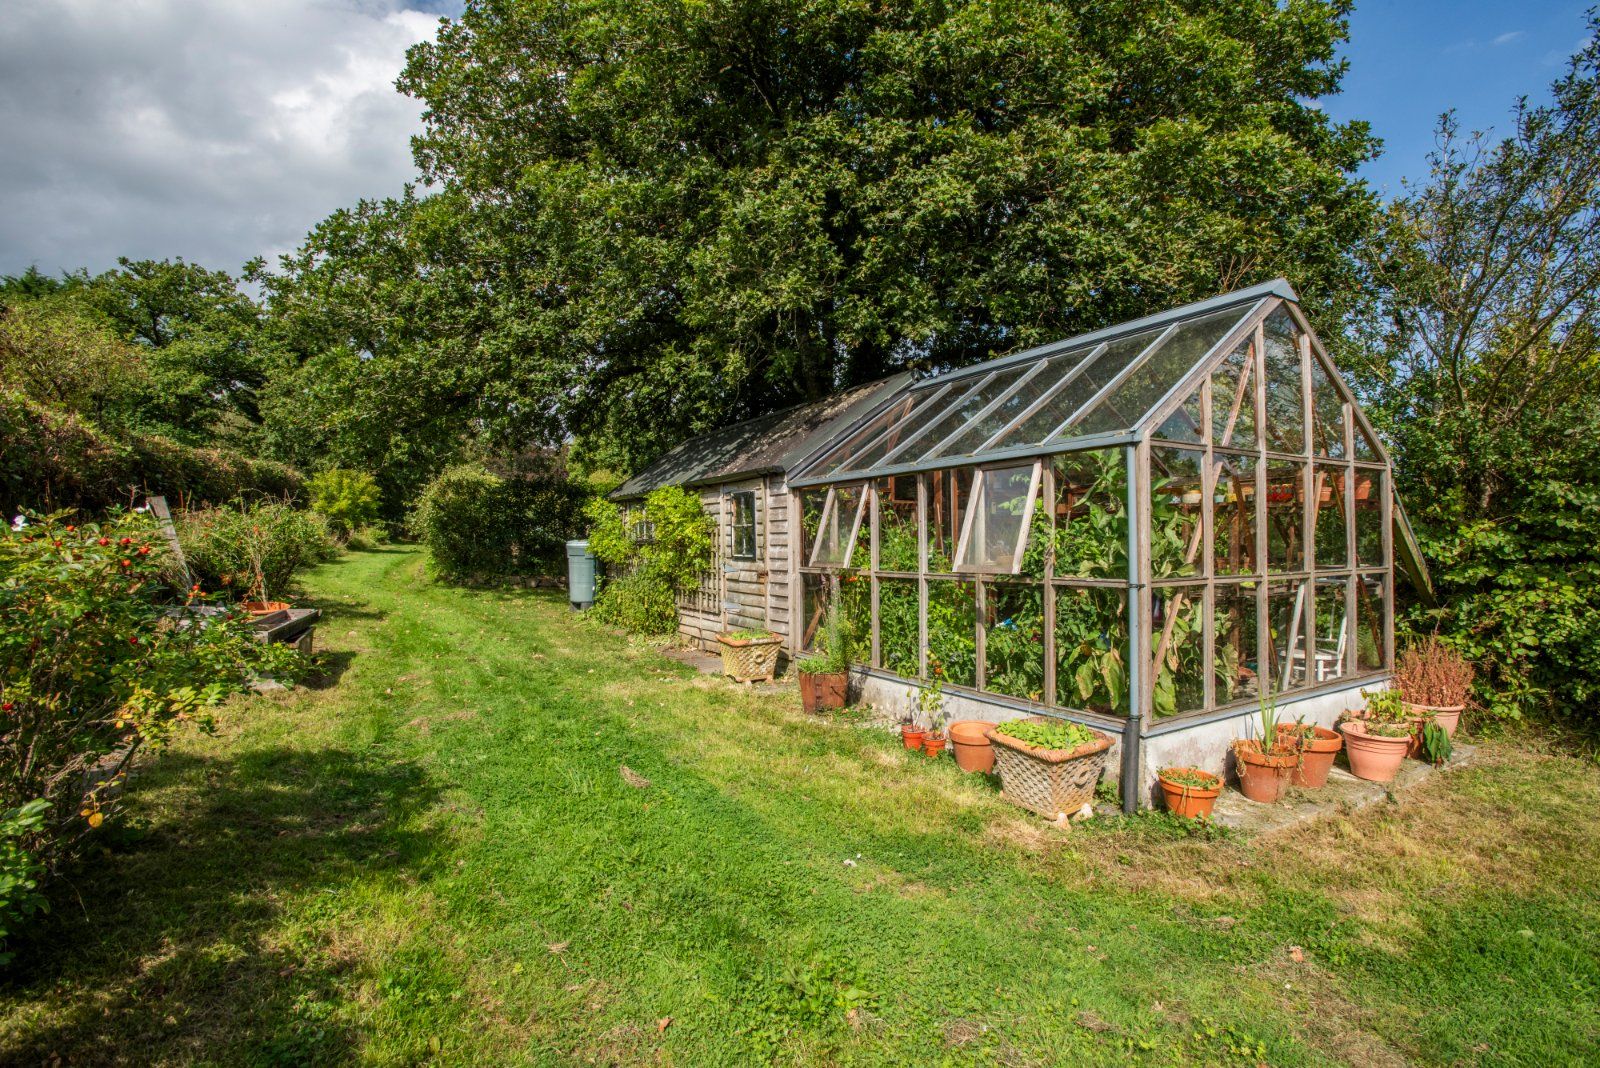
[(1507, 38), (215, 130)]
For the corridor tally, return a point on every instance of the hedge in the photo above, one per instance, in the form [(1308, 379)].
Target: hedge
[(51, 460)]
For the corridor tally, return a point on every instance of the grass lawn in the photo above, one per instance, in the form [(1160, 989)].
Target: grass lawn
[(437, 856)]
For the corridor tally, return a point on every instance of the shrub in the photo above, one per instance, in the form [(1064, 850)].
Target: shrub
[(253, 550), (97, 661), (52, 460), (640, 593), (348, 500), (19, 869), (479, 526)]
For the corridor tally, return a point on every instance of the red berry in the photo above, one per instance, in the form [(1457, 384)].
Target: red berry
[(8, 706), (125, 541), (127, 563), (103, 541), (133, 640)]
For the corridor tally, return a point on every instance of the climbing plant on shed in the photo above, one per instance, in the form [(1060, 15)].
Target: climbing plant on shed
[(650, 555)]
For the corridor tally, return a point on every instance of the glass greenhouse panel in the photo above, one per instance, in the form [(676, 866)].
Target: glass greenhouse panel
[(1176, 493), (1372, 596), (1327, 414), (895, 416), (1365, 450), (1157, 374), (956, 415), (1286, 613), (1092, 649), (1178, 659), (1235, 666), (1370, 489), (840, 527), (897, 524), (997, 523), (894, 433), (1333, 629), (1091, 515), (1186, 424), (953, 631), (1332, 511), (948, 494), (1286, 536), (1059, 406), (1286, 416), (812, 504), (1023, 395), (898, 639), (1013, 640), (1233, 515), (1233, 398)]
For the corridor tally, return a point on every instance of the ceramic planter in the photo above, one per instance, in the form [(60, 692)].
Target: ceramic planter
[(911, 735), (1372, 756), (1316, 757), (1190, 802), (1448, 717), (969, 739), (263, 608), (752, 659), (823, 690), (1264, 777)]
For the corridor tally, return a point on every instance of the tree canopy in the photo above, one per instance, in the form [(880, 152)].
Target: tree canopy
[(653, 218)]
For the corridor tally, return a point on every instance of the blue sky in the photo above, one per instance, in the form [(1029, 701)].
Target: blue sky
[(1412, 59), (222, 130)]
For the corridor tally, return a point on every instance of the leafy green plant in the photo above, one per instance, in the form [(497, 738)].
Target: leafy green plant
[(1384, 706), (646, 573), (253, 551), (20, 871), (348, 500), (97, 662), (1436, 744), (1055, 734), (480, 526), (835, 644), (1192, 778)]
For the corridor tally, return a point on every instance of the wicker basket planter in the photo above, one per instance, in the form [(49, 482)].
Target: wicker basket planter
[(1048, 781), (753, 659)]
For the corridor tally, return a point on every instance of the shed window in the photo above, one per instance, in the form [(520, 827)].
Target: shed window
[(744, 525)]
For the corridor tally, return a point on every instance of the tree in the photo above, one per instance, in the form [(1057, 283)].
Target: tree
[(670, 216), (1484, 328)]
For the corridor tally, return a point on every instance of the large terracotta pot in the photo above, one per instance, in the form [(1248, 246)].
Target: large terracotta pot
[(1264, 777), (823, 690), (1446, 716), (1372, 756), (1190, 802), (968, 737), (1316, 758)]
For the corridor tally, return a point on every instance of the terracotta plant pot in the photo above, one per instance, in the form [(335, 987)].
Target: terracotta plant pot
[(1190, 802), (1447, 717), (932, 745), (262, 608), (1264, 777), (911, 735), (1316, 758), (969, 739), (823, 690), (1372, 756)]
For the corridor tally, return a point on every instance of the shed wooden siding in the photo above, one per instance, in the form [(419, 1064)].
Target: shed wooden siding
[(742, 594)]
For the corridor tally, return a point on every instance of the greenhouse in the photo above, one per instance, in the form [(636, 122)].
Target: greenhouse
[(1145, 529)]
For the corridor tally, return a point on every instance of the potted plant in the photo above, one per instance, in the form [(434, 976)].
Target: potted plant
[(1377, 742), (969, 739), (750, 655), (931, 714), (1266, 762), (1435, 682), (1049, 766), (825, 674), (911, 733), (1189, 792), (1317, 747)]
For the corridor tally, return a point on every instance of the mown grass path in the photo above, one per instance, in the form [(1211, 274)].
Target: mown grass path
[(436, 856)]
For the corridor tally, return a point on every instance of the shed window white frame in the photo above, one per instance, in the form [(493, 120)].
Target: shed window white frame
[(977, 507), (742, 527)]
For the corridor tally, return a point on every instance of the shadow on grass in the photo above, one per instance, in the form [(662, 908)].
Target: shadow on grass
[(168, 943)]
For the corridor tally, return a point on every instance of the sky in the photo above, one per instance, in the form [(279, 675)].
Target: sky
[(219, 130)]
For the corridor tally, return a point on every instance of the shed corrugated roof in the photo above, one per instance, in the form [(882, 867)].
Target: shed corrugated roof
[(771, 443)]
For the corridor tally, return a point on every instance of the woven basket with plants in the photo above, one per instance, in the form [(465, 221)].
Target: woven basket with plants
[(750, 655), (1048, 766)]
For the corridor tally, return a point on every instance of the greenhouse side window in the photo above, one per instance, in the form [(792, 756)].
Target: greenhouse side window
[(839, 527), (997, 522)]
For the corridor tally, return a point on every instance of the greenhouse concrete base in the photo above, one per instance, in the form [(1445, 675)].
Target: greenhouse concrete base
[(1205, 745)]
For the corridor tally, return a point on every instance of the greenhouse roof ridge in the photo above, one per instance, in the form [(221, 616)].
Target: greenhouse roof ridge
[(1278, 287)]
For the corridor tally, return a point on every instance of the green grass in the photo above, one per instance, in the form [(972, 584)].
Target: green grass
[(435, 856)]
